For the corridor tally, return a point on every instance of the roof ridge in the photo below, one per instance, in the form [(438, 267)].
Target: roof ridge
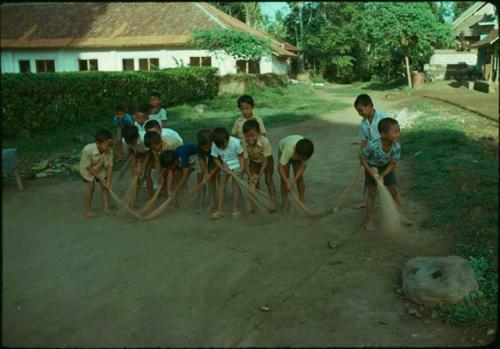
[(209, 15), (467, 13)]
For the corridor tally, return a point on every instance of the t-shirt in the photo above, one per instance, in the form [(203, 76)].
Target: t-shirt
[(171, 133), (93, 158), (238, 126), (127, 120), (287, 149), (259, 151), (376, 156), (187, 154), (230, 155), (368, 131), (159, 115), (140, 128)]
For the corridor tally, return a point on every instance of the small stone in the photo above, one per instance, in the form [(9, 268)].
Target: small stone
[(264, 308), (490, 332), (382, 322)]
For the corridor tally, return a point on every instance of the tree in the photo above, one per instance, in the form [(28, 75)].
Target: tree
[(398, 31), (459, 7), (252, 13), (234, 9), (235, 43)]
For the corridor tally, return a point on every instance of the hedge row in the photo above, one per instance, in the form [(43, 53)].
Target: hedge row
[(31, 102)]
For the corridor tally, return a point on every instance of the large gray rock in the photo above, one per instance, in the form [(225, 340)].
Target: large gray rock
[(433, 280)]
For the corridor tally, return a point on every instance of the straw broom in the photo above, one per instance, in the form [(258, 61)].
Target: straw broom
[(303, 207), (258, 197), (119, 201), (348, 191), (150, 203)]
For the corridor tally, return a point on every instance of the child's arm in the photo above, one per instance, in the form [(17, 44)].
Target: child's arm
[(388, 169), (284, 177), (364, 162), (219, 164), (170, 182), (263, 167), (242, 161), (185, 174), (149, 180), (234, 131)]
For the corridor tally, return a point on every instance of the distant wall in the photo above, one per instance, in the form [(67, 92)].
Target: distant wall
[(451, 64)]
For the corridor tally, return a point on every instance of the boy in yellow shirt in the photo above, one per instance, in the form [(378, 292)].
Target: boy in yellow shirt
[(293, 150), (258, 158), (97, 161), (246, 104)]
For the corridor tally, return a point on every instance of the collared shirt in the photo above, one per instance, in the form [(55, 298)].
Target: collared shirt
[(287, 149), (376, 156), (368, 131), (159, 115), (187, 154), (127, 120), (238, 126), (230, 155), (259, 151), (91, 157), (170, 143)]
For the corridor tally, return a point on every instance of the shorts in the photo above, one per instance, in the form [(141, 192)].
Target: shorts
[(223, 173), (95, 179), (210, 164), (255, 166), (291, 161), (389, 180)]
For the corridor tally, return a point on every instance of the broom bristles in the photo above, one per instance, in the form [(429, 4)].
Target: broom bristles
[(348, 191), (302, 206), (150, 203), (259, 197)]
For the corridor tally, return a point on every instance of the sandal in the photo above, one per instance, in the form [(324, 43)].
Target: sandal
[(236, 215), (218, 215)]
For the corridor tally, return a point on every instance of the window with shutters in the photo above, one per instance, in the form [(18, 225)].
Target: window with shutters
[(45, 66), (249, 67), (87, 64), (200, 61), (149, 64)]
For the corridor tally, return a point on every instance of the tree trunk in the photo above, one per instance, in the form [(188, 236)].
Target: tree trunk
[(300, 6), (408, 71)]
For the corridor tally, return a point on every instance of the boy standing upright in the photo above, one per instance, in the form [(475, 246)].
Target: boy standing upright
[(156, 112), (246, 104), (368, 129)]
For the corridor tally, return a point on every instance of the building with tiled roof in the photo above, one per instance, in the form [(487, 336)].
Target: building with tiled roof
[(117, 36)]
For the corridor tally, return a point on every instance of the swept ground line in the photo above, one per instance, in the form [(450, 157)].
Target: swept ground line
[(292, 288)]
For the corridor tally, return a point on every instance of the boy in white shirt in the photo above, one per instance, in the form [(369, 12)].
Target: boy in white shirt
[(228, 157), (156, 112)]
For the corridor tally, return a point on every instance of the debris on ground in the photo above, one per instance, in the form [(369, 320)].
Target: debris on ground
[(264, 308), (335, 242)]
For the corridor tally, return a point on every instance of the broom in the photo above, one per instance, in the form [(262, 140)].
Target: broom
[(258, 197), (348, 191), (119, 201), (124, 168), (150, 203), (303, 207)]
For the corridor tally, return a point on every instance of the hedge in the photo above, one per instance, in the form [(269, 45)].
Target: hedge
[(32, 102)]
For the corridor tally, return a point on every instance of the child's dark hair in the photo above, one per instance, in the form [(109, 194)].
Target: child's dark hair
[(363, 100), (167, 158), (385, 124), (151, 137), (103, 135), (251, 124), (130, 133), (204, 137), (245, 99), (120, 107), (155, 94), (148, 125), (304, 147), (219, 136)]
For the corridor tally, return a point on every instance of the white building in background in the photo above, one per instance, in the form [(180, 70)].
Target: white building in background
[(64, 37)]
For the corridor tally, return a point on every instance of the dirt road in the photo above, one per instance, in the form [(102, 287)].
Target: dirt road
[(184, 280)]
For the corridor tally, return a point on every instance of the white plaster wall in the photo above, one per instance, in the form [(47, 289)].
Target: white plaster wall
[(266, 64), (279, 66), (444, 57)]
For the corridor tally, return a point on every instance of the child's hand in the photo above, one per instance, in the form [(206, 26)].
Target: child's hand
[(289, 185), (107, 184)]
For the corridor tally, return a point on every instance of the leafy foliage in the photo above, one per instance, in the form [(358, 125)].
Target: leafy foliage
[(32, 102), (235, 43), (459, 7)]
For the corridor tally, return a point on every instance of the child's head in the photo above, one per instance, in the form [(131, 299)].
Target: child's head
[(104, 140), (154, 100), (245, 104), (152, 140), (204, 139), (152, 125), (304, 149), (389, 130), (141, 115), (168, 159), (364, 105), (251, 131), (220, 137), (130, 134), (120, 111)]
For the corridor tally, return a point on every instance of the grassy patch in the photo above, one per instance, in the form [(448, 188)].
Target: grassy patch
[(456, 160), (358, 88), (277, 106)]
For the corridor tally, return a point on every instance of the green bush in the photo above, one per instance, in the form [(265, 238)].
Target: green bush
[(32, 102)]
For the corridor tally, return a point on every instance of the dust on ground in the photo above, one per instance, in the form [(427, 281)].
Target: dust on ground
[(184, 280)]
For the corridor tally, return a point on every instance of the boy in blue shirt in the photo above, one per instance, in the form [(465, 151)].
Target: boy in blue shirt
[(381, 153), (120, 119), (178, 161), (368, 129)]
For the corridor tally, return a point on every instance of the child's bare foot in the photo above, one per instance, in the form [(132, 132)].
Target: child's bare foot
[(91, 214), (370, 227), (108, 212), (359, 205)]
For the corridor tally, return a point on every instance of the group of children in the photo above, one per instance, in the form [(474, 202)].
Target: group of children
[(221, 155)]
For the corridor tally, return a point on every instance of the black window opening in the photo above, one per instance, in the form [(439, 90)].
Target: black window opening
[(45, 66), (24, 66)]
